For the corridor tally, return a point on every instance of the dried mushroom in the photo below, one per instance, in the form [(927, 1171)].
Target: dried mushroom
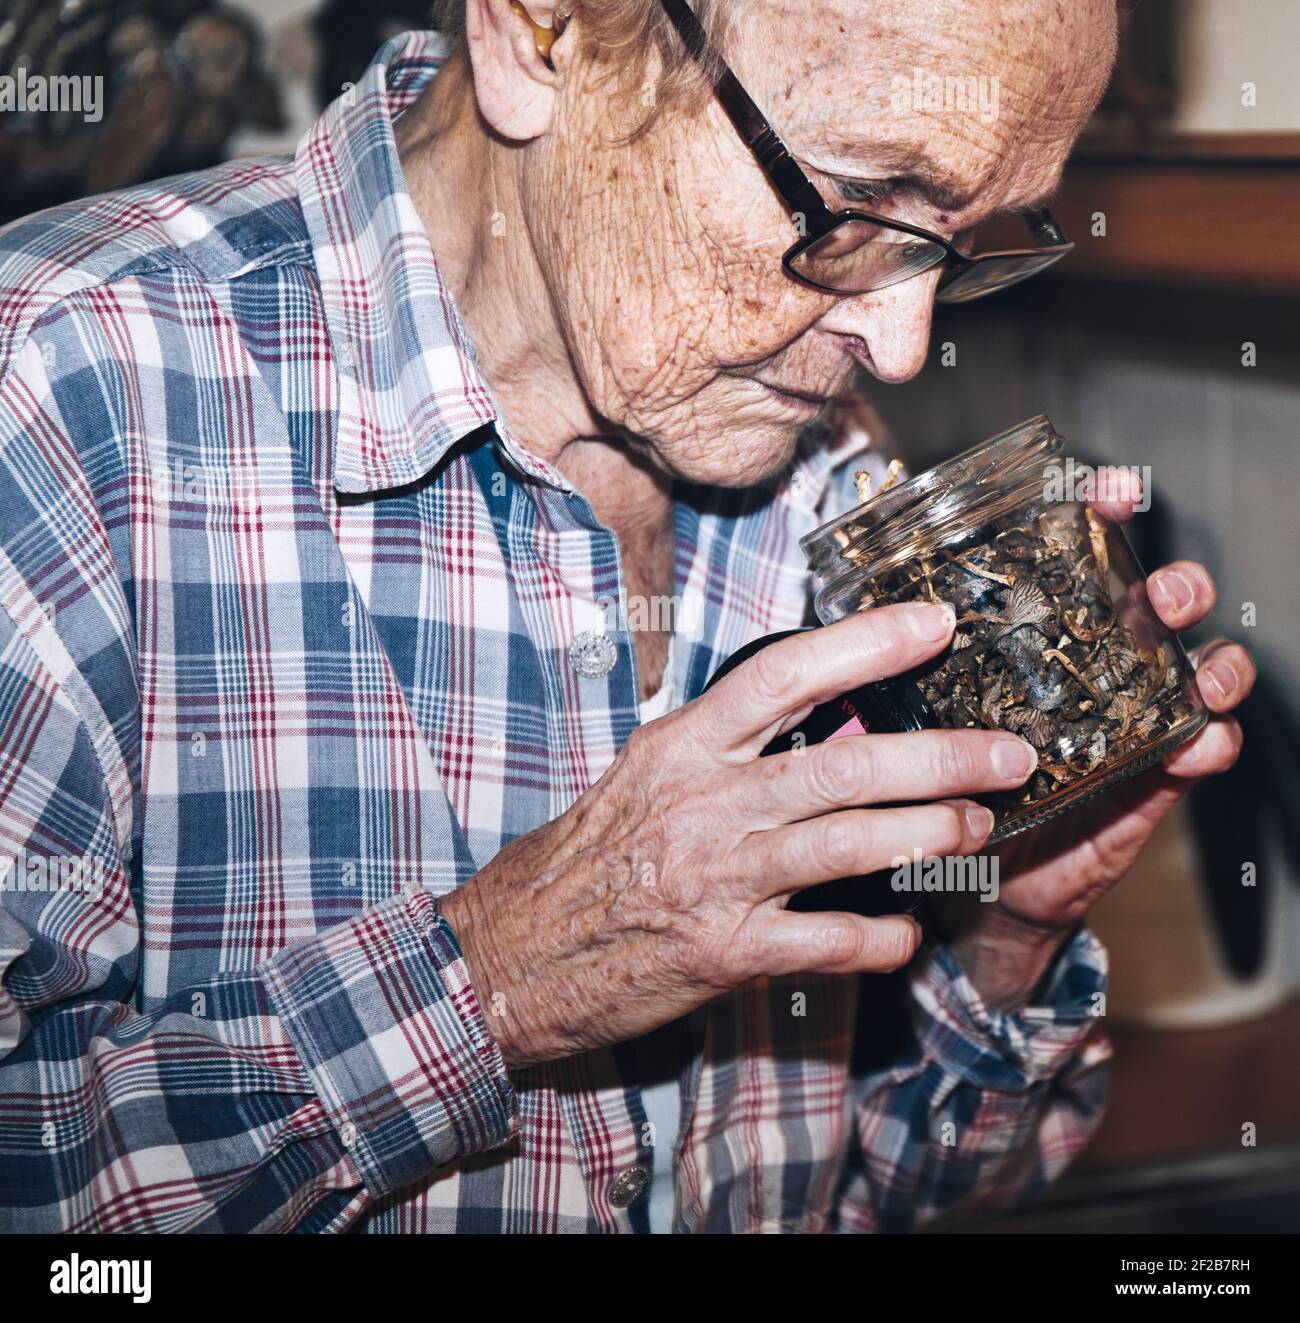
[(1039, 648)]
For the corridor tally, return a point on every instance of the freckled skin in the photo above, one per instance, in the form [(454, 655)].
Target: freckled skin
[(645, 278), (668, 308)]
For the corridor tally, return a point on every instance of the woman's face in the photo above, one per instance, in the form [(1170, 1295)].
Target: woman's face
[(663, 257)]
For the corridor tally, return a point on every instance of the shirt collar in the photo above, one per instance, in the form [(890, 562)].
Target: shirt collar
[(410, 384), (850, 428), (409, 378)]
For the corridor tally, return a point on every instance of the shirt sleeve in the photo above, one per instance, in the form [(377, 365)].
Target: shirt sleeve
[(342, 1068), (976, 1106)]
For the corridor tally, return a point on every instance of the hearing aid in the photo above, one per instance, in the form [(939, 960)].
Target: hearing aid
[(544, 37)]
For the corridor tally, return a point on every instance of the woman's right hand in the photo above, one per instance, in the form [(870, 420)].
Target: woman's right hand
[(665, 884)]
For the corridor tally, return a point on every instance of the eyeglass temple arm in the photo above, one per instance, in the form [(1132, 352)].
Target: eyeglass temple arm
[(1044, 227), (795, 188)]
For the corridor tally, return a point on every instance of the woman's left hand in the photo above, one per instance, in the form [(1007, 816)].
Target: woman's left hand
[(1051, 876)]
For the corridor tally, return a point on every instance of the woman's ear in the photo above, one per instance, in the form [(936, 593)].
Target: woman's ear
[(518, 67)]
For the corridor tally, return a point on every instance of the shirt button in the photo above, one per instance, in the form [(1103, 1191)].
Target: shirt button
[(347, 356), (629, 1186), (593, 654)]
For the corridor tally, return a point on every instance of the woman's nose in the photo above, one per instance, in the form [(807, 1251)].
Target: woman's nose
[(894, 323)]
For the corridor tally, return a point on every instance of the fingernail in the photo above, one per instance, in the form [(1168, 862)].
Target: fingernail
[(1221, 676), (931, 620), (1013, 759), (917, 934), (979, 820), (1174, 588)]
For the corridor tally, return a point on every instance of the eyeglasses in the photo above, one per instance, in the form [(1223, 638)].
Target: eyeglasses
[(850, 251)]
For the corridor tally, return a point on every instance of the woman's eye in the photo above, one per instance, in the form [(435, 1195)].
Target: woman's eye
[(859, 190)]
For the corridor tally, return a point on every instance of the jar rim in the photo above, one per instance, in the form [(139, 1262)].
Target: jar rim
[(987, 479)]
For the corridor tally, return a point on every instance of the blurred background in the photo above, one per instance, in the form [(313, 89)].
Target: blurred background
[(1169, 338)]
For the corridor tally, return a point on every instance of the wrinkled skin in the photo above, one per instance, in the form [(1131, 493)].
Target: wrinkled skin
[(650, 275), (628, 303), (665, 884)]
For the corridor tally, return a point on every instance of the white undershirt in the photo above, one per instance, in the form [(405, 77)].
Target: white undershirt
[(662, 1102), (661, 700)]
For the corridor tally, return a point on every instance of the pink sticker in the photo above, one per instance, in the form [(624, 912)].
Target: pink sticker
[(851, 727)]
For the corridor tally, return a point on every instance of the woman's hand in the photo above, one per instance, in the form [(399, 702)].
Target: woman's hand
[(1051, 876), (665, 884)]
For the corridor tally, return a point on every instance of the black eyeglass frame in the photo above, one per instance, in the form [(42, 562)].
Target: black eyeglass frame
[(801, 197)]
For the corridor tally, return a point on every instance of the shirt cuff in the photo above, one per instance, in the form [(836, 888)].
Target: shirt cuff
[(385, 1020), (994, 1049)]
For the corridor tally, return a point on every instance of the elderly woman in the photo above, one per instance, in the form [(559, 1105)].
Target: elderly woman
[(422, 886)]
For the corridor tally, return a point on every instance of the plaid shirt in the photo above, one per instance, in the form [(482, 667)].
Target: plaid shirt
[(285, 611)]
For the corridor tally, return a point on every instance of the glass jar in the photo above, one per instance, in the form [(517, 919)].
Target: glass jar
[(1055, 638)]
